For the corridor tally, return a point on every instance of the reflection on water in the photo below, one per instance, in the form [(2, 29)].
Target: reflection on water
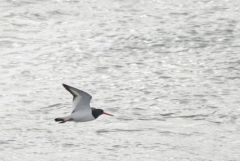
[(169, 71)]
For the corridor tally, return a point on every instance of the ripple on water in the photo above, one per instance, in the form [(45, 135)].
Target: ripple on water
[(169, 71)]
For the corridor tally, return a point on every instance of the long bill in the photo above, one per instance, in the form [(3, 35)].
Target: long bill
[(107, 114)]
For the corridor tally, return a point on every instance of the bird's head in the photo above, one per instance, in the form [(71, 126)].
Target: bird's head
[(97, 112)]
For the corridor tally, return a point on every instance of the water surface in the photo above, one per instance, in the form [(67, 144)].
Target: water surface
[(168, 70)]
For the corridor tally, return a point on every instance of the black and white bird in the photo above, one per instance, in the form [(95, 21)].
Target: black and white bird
[(82, 111)]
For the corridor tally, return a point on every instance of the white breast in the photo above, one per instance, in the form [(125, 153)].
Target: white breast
[(82, 116)]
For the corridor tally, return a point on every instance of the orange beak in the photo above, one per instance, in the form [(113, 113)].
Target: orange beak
[(107, 114)]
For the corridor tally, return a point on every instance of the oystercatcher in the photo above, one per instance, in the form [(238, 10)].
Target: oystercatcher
[(82, 111)]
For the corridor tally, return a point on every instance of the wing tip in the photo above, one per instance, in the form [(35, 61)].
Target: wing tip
[(69, 89), (75, 91), (65, 86)]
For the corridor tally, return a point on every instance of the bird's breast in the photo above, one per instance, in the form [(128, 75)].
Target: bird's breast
[(82, 116)]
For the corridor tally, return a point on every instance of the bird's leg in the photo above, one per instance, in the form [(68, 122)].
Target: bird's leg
[(67, 119)]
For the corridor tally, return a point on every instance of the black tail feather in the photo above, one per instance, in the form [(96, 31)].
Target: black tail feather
[(60, 120)]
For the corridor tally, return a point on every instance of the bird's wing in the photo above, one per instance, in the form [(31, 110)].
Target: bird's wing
[(81, 99)]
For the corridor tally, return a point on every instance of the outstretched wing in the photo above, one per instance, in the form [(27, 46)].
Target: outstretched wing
[(81, 99)]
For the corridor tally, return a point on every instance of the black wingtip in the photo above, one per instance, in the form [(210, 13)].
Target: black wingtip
[(69, 89), (64, 85)]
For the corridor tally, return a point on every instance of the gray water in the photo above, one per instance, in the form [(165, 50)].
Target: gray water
[(168, 70)]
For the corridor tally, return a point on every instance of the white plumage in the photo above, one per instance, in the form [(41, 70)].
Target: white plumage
[(81, 107)]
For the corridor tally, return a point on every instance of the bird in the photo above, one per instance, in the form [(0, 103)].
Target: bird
[(82, 111)]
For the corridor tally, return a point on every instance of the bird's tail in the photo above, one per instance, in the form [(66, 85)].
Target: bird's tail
[(63, 119), (60, 120)]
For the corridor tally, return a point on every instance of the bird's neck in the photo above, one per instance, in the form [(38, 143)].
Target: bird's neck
[(95, 113)]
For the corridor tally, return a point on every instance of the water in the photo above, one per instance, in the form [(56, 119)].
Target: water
[(168, 70)]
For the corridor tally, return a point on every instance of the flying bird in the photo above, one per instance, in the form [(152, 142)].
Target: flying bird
[(82, 111)]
